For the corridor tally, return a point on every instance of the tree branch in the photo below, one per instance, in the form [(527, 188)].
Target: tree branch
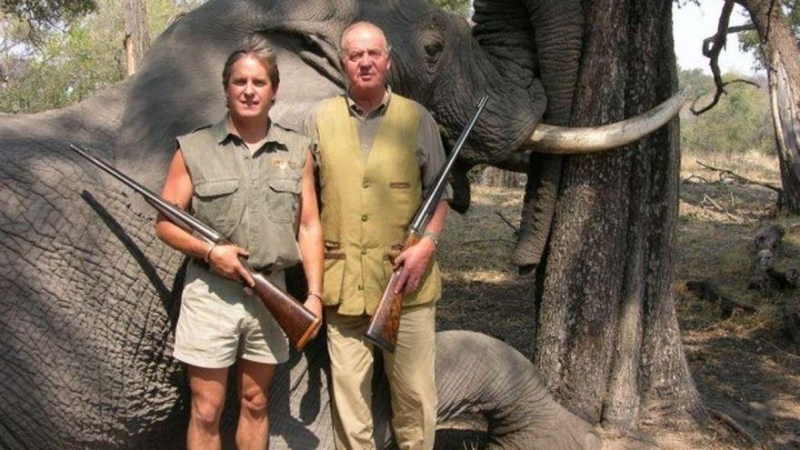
[(712, 47), (508, 222), (738, 177), (735, 426)]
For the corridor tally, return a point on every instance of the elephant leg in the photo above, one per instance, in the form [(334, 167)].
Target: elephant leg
[(541, 191), (479, 374)]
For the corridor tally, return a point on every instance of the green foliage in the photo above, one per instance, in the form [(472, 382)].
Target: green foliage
[(161, 13), (47, 11), (740, 122), (697, 81), (460, 7), (64, 69), (32, 18), (71, 61)]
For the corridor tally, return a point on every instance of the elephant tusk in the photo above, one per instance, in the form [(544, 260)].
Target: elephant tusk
[(565, 140)]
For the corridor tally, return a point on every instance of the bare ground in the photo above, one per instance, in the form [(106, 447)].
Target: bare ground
[(744, 363)]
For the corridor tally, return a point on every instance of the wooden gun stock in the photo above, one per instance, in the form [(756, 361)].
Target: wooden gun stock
[(385, 323), (295, 320)]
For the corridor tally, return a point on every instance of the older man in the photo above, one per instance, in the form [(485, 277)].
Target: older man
[(377, 154)]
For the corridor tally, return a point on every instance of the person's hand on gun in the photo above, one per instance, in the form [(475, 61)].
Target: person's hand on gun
[(414, 261), (224, 260), (313, 303)]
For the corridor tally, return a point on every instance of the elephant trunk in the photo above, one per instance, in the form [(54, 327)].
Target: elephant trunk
[(547, 36), (476, 373), (544, 38), (524, 61)]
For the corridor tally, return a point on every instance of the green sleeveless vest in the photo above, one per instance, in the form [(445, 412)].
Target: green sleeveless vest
[(367, 205), (254, 200)]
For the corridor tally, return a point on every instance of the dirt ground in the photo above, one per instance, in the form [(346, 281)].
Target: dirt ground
[(744, 362)]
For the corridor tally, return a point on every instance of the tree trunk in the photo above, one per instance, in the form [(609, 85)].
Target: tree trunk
[(779, 47), (137, 32), (608, 339)]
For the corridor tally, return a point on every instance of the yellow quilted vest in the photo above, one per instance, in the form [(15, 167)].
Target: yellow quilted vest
[(367, 205)]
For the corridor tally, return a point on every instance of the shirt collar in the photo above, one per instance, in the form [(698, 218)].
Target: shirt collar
[(222, 133), (387, 95)]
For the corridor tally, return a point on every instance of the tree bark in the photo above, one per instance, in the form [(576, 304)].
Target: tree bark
[(779, 47), (137, 32), (608, 339)]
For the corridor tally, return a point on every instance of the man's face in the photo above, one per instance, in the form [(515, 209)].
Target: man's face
[(249, 91), (366, 59)]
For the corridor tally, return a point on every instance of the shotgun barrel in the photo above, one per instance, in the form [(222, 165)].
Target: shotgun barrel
[(385, 322), (296, 320)]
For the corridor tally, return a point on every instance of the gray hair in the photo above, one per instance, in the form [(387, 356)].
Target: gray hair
[(358, 24), (258, 48)]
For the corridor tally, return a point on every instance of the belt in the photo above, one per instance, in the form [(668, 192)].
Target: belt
[(266, 270)]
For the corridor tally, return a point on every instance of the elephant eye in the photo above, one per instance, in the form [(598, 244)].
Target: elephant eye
[(433, 45), (433, 49)]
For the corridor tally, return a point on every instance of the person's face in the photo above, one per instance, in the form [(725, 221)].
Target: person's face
[(249, 91), (366, 60)]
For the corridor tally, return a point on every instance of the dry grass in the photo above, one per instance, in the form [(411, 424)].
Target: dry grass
[(482, 291), (745, 366)]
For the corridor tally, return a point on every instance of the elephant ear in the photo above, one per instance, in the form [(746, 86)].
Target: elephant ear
[(179, 88)]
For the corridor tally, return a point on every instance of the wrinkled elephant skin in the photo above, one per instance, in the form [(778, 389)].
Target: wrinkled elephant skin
[(89, 300)]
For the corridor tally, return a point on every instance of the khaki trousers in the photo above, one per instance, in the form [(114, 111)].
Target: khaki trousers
[(410, 372)]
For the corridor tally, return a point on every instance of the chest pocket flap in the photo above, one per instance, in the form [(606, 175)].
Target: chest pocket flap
[(283, 200), (291, 185), (217, 204), (216, 188)]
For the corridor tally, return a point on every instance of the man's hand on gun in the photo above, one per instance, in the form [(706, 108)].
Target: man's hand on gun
[(224, 260), (414, 261), (314, 304)]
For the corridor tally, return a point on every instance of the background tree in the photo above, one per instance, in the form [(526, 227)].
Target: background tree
[(749, 41), (740, 124), (68, 56), (42, 15), (779, 49), (25, 23), (137, 32), (460, 7), (775, 24), (607, 335)]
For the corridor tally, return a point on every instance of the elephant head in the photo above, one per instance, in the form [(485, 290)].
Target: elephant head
[(523, 54), (89, 294)]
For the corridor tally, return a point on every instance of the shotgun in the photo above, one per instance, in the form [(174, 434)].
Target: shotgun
[(385, 323), (297, 322)]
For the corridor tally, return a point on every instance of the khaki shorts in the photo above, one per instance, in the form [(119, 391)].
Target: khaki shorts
[(218, 321)]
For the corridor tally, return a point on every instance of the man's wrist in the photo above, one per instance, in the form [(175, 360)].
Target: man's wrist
[(211, 248), (434, 237)]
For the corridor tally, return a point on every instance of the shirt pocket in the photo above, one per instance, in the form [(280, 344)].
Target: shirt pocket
[(283, 199), (333, 275), (218, 204)]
